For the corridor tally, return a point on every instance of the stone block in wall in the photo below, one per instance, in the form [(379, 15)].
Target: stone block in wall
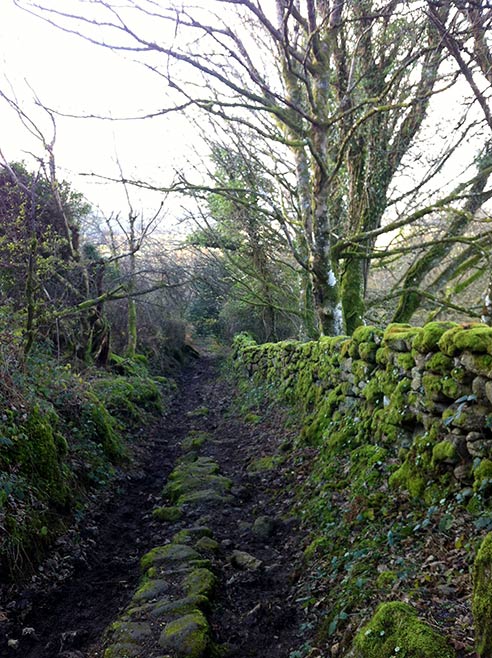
[(478, 364), (461, 374), (438, 363), (433, 387), (479, 390), (470, 419), (478, 445), (399, 337), (454, 390), (420, 360)]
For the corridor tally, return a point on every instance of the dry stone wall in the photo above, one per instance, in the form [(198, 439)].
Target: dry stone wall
[(422, 393)]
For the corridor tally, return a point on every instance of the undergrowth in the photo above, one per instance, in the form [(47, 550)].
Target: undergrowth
[(62, 433)]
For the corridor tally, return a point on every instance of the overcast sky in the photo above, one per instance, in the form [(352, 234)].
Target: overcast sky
[(72, 76)]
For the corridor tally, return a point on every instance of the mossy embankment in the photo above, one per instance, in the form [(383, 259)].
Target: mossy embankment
[(62, 434), (399, 491)]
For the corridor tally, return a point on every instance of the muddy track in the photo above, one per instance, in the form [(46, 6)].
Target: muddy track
[(254, 613)]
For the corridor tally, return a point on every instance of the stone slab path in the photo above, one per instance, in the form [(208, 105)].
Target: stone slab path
[(194, 554)]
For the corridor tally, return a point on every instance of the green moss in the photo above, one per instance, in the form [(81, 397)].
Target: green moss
[(150, 589), (386, 580), (408, 477), (100, 427), (267, 463), (122, 650), (367, 351), (186, 637), (482, 597), (427, 340), (179, 607), (367, 334), (482, 475), (395, 629), (199, 582), (199, 412), (459, 374), (168, 553), (194, 440), (169, 514), (211, 496), (405, 361), (38, 458), (446, 343), (383, 355), (400, 336), (444, 451), (127, 397), (432, 386), (364, 463), (188, 535), (440, 363), (207, 544), (478, 338), (480, 364), (451, 388), (196, 475)]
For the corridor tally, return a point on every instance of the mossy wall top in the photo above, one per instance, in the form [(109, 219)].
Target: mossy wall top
[(425, 391)]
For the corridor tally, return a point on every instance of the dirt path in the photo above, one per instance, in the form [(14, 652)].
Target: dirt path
[(254, 613)]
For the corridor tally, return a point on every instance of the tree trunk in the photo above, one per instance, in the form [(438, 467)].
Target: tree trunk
[(353, 290)]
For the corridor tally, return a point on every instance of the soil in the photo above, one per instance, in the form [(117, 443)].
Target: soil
[(93, 571)]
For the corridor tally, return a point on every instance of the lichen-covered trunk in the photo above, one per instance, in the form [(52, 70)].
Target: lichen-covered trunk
[(353, 292)]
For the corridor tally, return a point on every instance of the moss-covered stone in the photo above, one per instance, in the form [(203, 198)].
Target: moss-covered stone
[(186, 637), (194, 480), (200, 582), (482, 597), (428, 339), (440, 364), (444, 451), (367, 351), (477, 338), (179, 607), (202, 496), (432, 386), (405, 361), (150, 589), (189, 535), (123, 650), (130, 632), (207, 544), (169, 514), (367, 334), (386, 580), (395, 629), (194, 440), (482, 475), (399, 337), (478, 364), (168, 553)]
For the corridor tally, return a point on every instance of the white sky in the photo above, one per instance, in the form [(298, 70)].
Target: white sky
[(72, 76)]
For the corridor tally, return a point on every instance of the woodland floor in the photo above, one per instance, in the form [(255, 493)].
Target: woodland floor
[(93, 571)]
